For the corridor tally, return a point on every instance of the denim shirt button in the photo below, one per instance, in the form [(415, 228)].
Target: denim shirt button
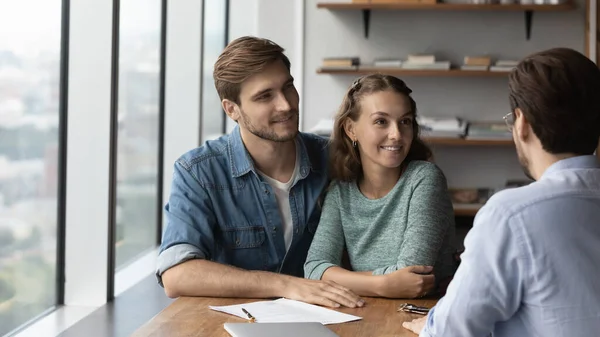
[(266, 191), (237, 242), (274, 229)]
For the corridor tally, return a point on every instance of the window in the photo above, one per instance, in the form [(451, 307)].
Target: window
[(215, 39), (29, 136), (138, 129)]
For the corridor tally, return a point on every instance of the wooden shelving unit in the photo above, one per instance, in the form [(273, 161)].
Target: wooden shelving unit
[(447, 6), (416, 73), (460, 210), (468, 142)]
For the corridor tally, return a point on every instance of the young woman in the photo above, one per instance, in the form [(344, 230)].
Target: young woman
[(387, 206)]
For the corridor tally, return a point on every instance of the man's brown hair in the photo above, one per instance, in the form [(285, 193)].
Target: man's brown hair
[(344, 160), (242, 58), (558, 92)]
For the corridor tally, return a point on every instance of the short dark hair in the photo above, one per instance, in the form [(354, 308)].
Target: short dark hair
[(558, 91), (344, 161), (242, 58)]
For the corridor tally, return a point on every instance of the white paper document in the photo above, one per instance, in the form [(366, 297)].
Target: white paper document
[(285, 310)]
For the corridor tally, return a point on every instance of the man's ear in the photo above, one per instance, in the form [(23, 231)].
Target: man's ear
[(349, 129), (231, 109), (522, 126)]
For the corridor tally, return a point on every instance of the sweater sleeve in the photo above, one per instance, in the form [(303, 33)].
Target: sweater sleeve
[(328, 243), (430, 214)]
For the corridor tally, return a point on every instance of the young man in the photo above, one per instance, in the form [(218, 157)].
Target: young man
[(244, 208), (531, 264)]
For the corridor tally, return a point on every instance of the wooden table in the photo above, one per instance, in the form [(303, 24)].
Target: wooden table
[(190, 316)]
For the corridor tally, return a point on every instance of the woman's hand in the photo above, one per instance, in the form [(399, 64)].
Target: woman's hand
[(408, 282)]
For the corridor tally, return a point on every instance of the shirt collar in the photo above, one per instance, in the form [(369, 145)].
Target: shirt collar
[(578, 162), (241, 163)]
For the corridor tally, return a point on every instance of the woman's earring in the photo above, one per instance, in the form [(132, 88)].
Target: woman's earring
[(354, 143)]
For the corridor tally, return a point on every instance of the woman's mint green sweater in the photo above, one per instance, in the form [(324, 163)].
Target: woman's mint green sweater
[(412, 225)]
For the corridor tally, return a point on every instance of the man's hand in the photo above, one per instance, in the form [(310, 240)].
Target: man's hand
[(326, 293), (416, 325), (409, 282)]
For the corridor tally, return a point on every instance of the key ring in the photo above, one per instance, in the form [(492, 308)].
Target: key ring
[(415, 309)]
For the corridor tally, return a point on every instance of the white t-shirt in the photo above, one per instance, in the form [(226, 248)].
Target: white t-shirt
[(282, 194)]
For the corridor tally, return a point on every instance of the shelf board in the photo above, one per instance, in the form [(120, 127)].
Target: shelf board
[(415, 72), (447, 6), (466, 211), (467, 142)]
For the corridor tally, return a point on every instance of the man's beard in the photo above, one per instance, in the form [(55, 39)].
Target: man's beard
[(523, 161), (267, 133)]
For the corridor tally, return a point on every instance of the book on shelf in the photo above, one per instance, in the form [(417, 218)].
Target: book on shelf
[(439, 65), (442, 127), (420, 58), (507, 63), (501, 69), (340, 62), (504, 65), (334, 68), (389, 63), (477, 61), (482, 130)]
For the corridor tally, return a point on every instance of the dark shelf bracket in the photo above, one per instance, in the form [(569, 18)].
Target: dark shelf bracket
[(528, 21), (366, 18)]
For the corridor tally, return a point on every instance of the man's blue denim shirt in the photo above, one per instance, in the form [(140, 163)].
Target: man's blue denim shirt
[(220, 209)]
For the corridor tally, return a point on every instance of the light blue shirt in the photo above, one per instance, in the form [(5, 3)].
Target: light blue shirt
[(531, 265)]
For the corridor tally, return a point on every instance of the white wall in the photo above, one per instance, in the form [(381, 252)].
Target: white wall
[(279, 20)]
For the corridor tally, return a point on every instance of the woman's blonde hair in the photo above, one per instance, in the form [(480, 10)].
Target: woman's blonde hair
[(344, 159)]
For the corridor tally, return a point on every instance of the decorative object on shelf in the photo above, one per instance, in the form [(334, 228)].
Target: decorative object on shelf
[(470, 196)]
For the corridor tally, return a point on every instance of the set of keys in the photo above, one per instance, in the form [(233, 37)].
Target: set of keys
[(415, 309)]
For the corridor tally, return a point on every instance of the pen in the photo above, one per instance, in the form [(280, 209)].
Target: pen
[(250, 317)]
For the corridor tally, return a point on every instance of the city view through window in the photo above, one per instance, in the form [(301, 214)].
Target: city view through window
[(30, 35)]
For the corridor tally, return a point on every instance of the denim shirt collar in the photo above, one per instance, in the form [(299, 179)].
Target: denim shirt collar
[(579, 162), (241, 163)]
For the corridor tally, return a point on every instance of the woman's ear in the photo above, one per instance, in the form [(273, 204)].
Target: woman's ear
[(349, 129)]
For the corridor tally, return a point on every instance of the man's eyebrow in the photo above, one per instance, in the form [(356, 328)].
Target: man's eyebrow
[(264, 91)]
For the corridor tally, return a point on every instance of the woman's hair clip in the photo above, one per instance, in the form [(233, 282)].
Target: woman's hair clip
[(355, 84)]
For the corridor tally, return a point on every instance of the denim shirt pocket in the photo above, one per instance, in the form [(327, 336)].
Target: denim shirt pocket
[(245, 247)]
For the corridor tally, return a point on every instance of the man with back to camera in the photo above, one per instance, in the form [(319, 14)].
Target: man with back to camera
[(531, 265)]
